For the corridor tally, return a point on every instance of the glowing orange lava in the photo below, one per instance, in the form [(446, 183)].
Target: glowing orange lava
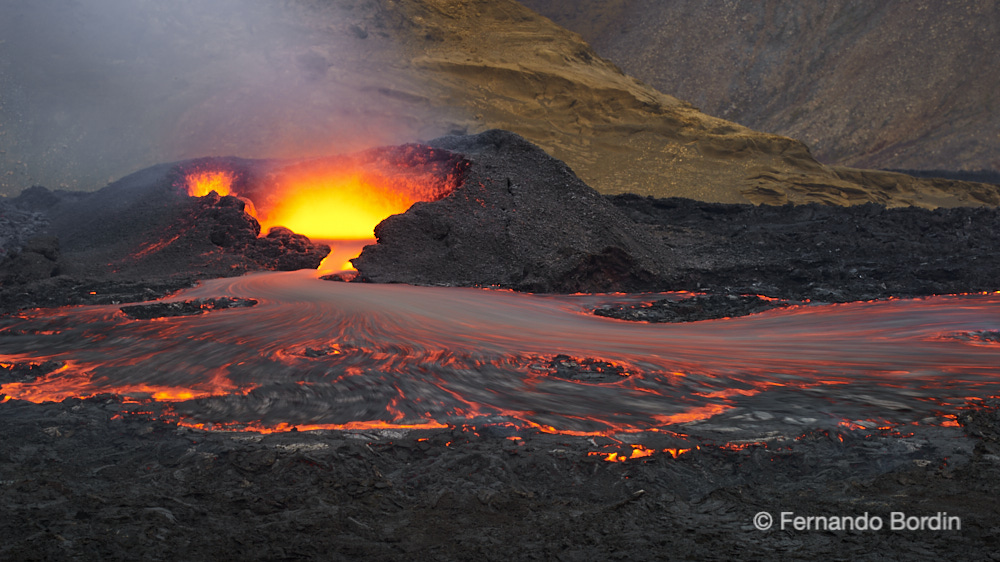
[(201, 183), (333, 206), (370, 356), (338, 201), (74, 381), (284, 427), (637, 452)]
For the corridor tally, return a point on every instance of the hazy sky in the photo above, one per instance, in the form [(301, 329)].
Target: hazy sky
[(91, 90)]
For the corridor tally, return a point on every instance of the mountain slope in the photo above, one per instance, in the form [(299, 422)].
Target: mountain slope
[(904, 85)]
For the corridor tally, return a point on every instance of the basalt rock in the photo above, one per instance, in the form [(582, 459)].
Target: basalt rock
[(224, 222), (38, 259), (184, 308), (112, 479), (284, 250), (820, 252), (36, 198), (140, 232), (521, 220), (691, 309)]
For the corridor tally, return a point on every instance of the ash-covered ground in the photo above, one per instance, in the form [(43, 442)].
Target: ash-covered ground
[(101, 479)]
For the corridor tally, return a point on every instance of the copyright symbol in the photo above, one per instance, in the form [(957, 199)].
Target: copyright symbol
[(762, 521)]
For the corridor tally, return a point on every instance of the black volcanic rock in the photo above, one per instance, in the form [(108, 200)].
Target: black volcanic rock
[(690, 309), (37, 260), (284, 250), (228, 225), (184, 308), (821, 252), (222, 221), (36, 198), (521, 219), (140, 232), (17, 226), (587, 369)]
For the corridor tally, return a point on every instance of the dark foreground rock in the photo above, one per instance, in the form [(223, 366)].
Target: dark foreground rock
[(184, 308), (690, 309), (100, 479)]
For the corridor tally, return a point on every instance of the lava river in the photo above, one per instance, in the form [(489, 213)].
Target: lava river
[(315, 353)]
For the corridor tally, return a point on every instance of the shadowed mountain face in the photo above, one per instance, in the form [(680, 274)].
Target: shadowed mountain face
[(93, 92), (902, 85)]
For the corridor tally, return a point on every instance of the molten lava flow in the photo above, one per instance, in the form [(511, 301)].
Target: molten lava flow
[(201, 183), (315, 354), (283, 427), (76, 382)]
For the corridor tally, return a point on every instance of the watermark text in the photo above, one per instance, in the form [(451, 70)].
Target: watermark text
[(897, 521)]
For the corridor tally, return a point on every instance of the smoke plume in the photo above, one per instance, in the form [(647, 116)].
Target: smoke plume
[(93, 90)]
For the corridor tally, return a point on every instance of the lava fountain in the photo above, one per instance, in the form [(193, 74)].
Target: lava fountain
[(200, 183), (337, 200)]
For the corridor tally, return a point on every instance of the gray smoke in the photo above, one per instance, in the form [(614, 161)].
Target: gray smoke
[(91, 90)]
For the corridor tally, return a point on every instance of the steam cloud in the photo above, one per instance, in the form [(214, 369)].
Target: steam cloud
[(91, 90)]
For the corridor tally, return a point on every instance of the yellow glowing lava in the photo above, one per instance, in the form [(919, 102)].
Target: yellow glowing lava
[(341, 254), (338, 200), (200, 184), (334, 207)]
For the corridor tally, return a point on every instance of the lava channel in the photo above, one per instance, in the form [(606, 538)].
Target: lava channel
[(315, 354)]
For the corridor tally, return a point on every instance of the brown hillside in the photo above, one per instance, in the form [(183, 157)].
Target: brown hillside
[(313, 77), (892, 84)]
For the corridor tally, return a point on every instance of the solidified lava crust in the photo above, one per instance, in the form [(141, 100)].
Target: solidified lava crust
[(522, 220), (102, 479), (184, 308), (691, 309)]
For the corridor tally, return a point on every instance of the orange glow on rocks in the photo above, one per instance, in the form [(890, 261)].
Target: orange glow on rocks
[(283, 427), (337, 199)]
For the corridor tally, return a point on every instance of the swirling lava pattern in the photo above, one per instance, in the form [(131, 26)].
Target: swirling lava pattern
[(314, 353)]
